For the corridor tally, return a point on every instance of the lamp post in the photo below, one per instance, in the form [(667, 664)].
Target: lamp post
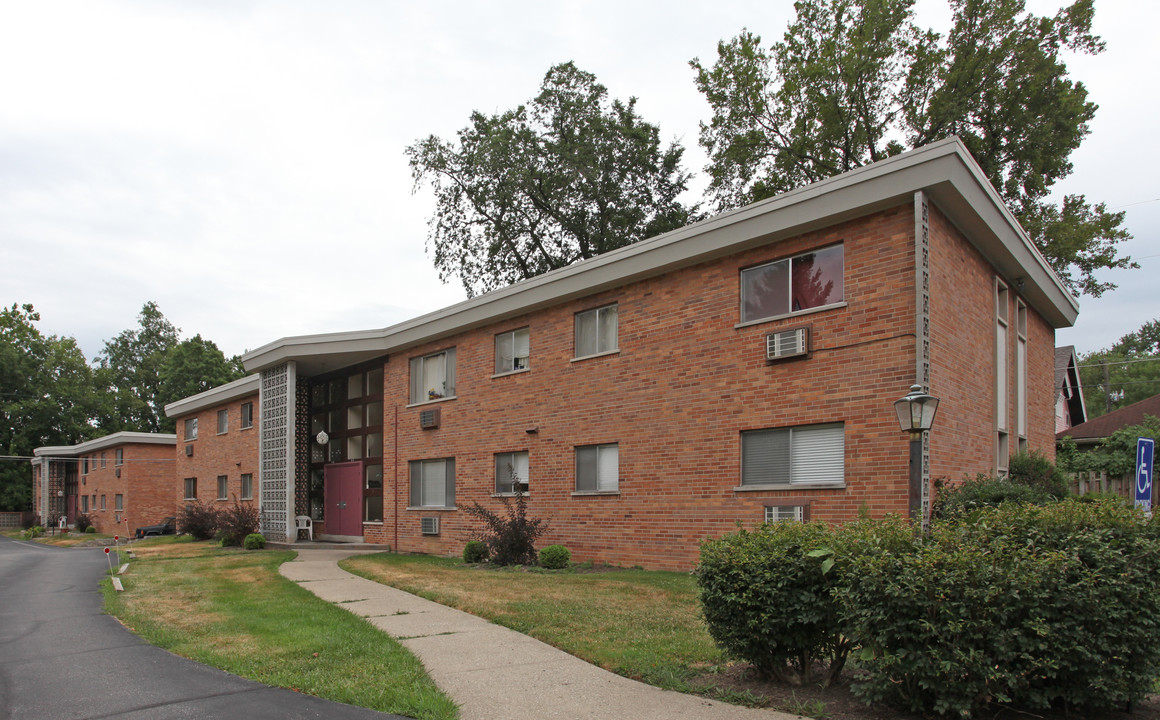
[(915, 415)]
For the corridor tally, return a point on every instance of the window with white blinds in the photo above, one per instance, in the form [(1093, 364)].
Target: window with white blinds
[(433, 483), (598, 468), (808, 454)]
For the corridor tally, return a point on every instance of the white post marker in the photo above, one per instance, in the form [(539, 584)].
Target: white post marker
[(1145, 452)]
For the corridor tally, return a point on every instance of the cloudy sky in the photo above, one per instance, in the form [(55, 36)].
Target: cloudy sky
[(241, 162)]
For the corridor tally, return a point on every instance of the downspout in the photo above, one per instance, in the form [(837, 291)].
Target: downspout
[(395, 463)]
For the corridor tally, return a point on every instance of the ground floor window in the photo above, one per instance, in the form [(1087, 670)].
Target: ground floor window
[(598, 468), (247, 486), (806, 454), (223, 487), (433, 483), (511, 472)]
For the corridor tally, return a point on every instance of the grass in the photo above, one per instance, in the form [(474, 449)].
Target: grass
[(68, 539), (231, 609), (641, 624)]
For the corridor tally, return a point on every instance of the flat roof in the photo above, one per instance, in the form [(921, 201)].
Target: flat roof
[(219, 395), (944, 171), (103, 443)]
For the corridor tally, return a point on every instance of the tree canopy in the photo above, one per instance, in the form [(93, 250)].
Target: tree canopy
[(130, 366), (570, 175), (1125, 373), (47, 397), (855, 81)]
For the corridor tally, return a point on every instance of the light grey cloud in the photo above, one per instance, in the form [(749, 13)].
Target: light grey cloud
[(243, 164)]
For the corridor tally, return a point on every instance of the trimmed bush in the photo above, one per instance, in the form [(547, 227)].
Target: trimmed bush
[(475, 552), (555, 557), (1041, 607), (235, 523), (984, 491), (254, 541), (91, 529), (767, 599), (199, 520)]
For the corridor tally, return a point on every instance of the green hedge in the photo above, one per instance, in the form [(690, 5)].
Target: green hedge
[(1054, 606)]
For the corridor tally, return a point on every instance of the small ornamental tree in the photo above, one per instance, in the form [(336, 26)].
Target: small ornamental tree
[(511, 536)]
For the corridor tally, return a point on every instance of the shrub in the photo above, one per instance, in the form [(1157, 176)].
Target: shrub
[(1034, 469), (235, 523), (1036, 606), (91, 529), (555, 557), (83, 522), (475, 551), (985, 491), (199, 520), (254, 541), (766, 597), (511, 537)]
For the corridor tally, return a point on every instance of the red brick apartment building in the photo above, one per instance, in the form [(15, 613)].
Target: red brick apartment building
[(217, 445), (121, 481), (737, 370)]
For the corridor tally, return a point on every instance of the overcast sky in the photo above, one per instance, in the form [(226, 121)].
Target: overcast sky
[(242, 163)]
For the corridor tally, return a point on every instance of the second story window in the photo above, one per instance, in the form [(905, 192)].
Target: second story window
[(191, 429), (512, 351), (247, 415), (802, 282), (223, 419), (433, 376), (596, 331)]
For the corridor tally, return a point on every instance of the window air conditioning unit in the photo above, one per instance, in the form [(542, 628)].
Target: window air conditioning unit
[(118, 472), (189, 451), (429, 419), (429, 525), (787, 344)]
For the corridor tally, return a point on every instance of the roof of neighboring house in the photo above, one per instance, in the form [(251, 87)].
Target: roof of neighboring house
[(54, 452), (1064, 359), (1105, 425), (235, 390), (1068, 383), (944, 171)]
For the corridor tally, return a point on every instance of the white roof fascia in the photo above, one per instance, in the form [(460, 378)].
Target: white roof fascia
[(233, 390), (944, 170), (104, 443)]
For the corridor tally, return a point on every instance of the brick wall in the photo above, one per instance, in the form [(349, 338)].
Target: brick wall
[(146, 477), (684, 385), (232, 454)]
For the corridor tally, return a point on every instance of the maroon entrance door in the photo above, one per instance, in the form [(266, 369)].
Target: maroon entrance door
[(72, 509), (342, 489)]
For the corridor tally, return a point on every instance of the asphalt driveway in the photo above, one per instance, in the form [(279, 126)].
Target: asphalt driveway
[(61, 657)]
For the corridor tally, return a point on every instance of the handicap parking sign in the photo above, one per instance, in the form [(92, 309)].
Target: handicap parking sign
[(1145, 450)]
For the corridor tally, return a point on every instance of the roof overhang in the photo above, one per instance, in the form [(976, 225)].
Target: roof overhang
[(944, 171), (215, 396), (116, 439)]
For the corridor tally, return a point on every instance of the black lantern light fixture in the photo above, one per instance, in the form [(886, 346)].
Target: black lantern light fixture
[(915, 416)]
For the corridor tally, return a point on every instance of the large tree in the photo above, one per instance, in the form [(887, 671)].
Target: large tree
[(1125, 373), (568, 176), (47, 397), (855, 81), (193, 366), (130, 370)]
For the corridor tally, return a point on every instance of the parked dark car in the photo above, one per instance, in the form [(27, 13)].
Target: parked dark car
[(168, 526)]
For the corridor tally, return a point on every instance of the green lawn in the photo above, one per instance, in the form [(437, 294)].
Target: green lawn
[(231, 609), (642, 624)]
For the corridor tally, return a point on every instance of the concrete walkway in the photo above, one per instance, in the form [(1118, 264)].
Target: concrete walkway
[(491, 671)]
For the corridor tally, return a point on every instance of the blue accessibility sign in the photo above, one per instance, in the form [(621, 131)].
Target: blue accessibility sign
[(1145, 451)]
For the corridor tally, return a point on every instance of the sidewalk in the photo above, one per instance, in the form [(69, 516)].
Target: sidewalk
[(493, 672)]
